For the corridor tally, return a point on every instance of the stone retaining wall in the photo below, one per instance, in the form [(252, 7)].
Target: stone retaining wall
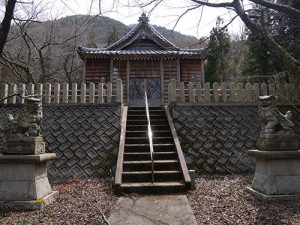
[(215, 138), (85, 139)]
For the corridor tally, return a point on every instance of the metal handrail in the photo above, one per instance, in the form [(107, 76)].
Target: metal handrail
[(149, 133)]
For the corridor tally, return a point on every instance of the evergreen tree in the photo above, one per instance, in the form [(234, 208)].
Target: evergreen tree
[(219, 46)]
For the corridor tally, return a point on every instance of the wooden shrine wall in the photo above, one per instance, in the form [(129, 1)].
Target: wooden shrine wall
[(190, 70)]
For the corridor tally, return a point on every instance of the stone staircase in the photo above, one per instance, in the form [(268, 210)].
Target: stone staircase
[(136, 169)]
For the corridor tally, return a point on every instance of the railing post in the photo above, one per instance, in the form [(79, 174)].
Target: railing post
[(248, 88), (4, 93), (119, 91)]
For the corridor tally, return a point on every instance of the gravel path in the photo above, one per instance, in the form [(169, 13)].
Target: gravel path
[(79, 202), (223, 200)]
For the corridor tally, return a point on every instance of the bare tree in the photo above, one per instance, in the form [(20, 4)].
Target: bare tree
[(5, 24), (289, 62)]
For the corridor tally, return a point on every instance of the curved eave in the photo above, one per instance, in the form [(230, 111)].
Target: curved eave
[(133, 35)]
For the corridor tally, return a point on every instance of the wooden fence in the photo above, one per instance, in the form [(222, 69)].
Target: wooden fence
[(63, 93), (232, 92)]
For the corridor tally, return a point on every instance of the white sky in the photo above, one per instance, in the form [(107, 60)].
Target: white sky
[(164, 15)]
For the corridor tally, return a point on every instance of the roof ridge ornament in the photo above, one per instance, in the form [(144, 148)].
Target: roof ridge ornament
[(143, 18)]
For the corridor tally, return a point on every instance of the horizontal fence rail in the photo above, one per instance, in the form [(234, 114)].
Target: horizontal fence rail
[(63, 93), (231, 92)]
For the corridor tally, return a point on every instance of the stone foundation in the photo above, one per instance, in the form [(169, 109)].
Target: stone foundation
[(23, 181), (277, 174)]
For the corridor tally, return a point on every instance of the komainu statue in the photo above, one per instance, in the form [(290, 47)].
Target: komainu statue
[(23, 134), (29, 121), (276, 128)]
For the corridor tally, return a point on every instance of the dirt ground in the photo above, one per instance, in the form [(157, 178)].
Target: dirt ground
[(223, 200)]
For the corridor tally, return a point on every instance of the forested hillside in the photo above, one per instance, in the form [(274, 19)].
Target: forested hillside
[(46, 51)]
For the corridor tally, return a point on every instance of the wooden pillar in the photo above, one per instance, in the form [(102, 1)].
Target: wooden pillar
[(202, 73), (111, 70), (162, 80), (127, 78), (178, 71)]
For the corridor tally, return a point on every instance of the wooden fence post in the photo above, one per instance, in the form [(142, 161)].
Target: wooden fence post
[(56, 92), (83, 93), (12, 92), (74, 93), (92, 93), (207, 92), (224, 92), (248, 92), (48, 93), (216, 92), (172, 91), (191, 92), (30, 89), (65, 98), (256, 91), (39, 90), (109, 92), (199, 92), (22, 91), (119, 91), (100, 93), (232, 92), (182, 92)]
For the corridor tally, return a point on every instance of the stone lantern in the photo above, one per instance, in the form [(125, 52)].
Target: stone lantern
[(277, 173), (23, 172)]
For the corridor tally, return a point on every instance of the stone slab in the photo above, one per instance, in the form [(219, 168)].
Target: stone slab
[(263, 196), (27, 158), (30, 205), (153, 209)]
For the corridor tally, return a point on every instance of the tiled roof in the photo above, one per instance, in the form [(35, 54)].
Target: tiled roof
[(127, 45), (96, 52), (143, 25)]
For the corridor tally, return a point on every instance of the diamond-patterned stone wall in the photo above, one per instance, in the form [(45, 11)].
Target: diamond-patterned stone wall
[(215, 138), (84, 138)]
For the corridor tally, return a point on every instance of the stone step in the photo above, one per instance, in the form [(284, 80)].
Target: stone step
[(146, 176), (143, 112), (144, 117), (132, 156), (145, 122), (161, 133), (146, 147), (145, 140), (146, 165), (153, 188), (145, 127)]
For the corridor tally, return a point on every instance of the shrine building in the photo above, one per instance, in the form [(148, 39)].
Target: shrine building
[(144, 60)]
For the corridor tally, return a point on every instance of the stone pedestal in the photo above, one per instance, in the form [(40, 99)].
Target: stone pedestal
[(277, 174), (23, 181)]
